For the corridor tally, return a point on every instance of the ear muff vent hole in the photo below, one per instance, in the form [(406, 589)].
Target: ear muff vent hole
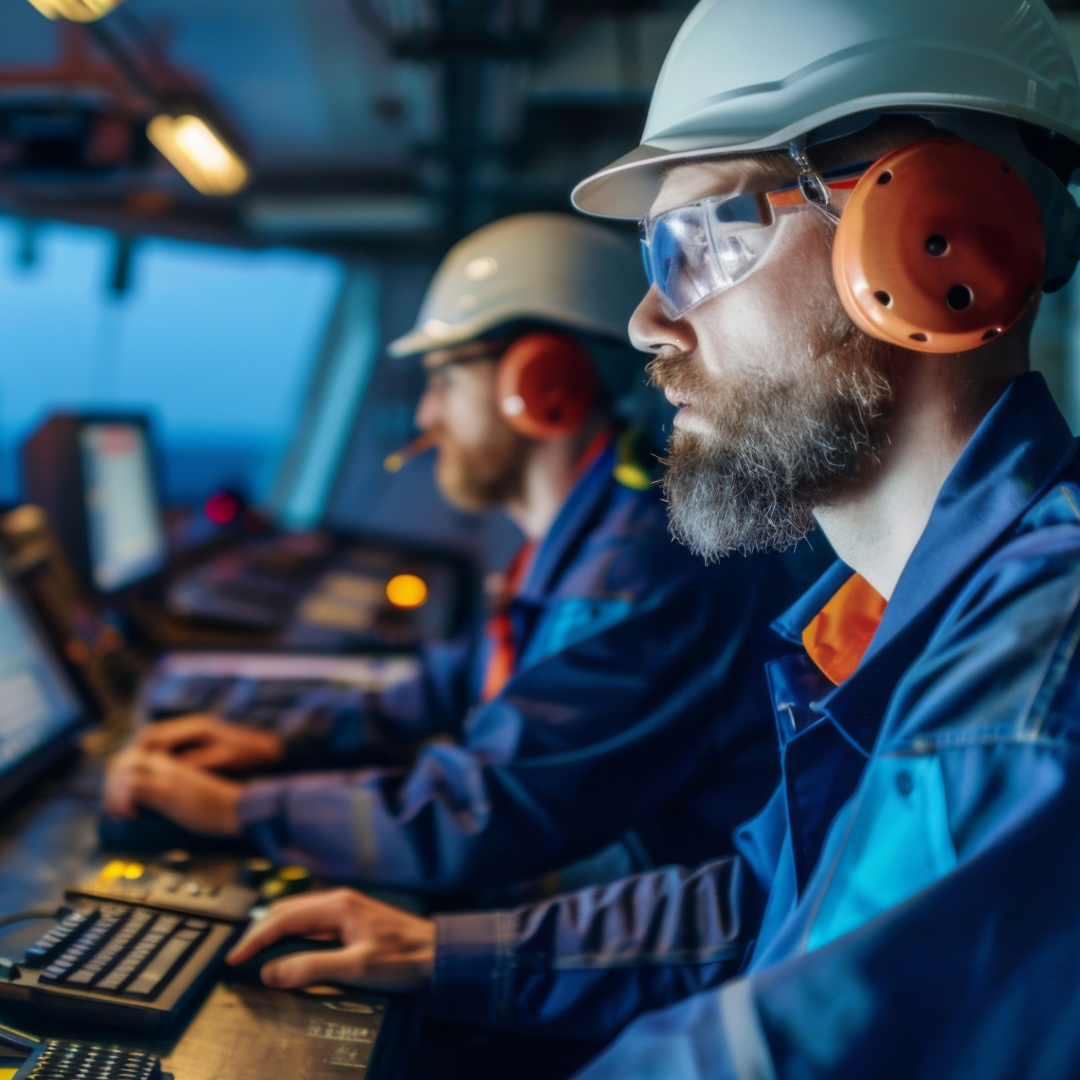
[(990, 335), (883, 298), (918, 337), (884, 178), (960, 298), (937, 246)]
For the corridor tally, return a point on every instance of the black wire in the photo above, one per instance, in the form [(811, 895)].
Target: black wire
[(33, 913)]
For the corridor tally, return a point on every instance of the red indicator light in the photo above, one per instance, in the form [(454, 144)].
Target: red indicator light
[(222, 508)]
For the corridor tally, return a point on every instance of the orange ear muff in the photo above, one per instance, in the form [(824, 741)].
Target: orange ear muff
[(941, 248), (546, 385)]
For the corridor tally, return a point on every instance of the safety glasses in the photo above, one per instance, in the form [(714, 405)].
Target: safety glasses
[(696, 251)]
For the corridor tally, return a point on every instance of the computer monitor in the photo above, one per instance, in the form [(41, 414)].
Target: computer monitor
[(127, 539), (39, 709), (94, 476)]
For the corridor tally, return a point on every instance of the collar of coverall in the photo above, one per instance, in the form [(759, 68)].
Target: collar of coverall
[(1010, 463), (840, 633)]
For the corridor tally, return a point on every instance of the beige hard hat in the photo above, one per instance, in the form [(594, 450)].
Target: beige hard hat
[(751, 75), (552, 268)]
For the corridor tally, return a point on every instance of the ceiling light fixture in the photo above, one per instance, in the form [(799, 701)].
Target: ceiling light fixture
[(82, 11), (200, 153)]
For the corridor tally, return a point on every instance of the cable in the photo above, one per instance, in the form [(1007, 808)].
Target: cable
[(34, 913)]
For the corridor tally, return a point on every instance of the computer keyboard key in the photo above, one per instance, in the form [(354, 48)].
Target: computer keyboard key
[(108, 921), (180, 695), (117, 945), (141, 954), (158, 972), (56, 941), (80, 1061)]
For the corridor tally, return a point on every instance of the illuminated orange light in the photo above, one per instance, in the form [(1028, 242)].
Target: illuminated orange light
[(406, 591)]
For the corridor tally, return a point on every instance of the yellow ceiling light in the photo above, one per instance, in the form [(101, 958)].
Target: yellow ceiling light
[(76, 10), (199, 153), (406, 591)]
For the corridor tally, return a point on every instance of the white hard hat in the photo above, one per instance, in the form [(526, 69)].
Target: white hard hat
[(749, 75), (551, 268)]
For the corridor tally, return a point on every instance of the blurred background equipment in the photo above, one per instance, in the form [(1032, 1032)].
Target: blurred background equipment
[(224, 241), (94, 476)]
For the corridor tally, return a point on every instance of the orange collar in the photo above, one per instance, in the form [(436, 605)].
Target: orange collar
[(839, 635)]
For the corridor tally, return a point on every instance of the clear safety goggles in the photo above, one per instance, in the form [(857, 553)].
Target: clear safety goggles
[(706, 247)]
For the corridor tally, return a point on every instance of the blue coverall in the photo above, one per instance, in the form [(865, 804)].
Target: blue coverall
[(906, 904), (637, 710)]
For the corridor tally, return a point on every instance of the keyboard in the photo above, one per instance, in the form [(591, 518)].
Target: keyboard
[(120, 963), (256, 703), (274, 691), (32, 1058), (57, 1060)]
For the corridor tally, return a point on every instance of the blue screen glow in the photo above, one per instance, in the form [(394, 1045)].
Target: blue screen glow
[(216, 344)]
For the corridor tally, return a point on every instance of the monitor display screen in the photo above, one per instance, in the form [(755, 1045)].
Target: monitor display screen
[(36, 704), (127, 538)]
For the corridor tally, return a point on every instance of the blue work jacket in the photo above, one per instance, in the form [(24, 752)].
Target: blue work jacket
[(637, 711), (905, 905)]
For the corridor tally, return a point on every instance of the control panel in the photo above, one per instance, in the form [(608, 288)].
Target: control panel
[(169, 885)]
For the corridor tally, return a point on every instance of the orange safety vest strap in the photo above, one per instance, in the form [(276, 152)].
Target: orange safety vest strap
[(839, 635)]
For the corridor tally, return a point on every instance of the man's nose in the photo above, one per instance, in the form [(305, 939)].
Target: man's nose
[(651, 330), (427, 412)]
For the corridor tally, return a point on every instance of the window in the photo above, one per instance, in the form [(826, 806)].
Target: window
[(216, 344)]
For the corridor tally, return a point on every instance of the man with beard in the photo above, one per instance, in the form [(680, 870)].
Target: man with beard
[(614, 705), (849, 210)]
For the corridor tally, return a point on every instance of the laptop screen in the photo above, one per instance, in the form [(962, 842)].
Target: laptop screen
[(37, 706), (127, 539)]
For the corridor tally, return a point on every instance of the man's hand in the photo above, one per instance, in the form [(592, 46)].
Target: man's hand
[(383, 948), (195, 799), (209, 743)]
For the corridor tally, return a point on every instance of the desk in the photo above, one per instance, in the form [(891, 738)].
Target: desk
[(48, 840)]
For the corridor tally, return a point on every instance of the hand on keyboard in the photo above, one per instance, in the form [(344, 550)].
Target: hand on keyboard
[(190, 797), (205, 742)]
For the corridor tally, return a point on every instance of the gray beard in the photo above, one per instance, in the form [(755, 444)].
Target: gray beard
[(776, 449)]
